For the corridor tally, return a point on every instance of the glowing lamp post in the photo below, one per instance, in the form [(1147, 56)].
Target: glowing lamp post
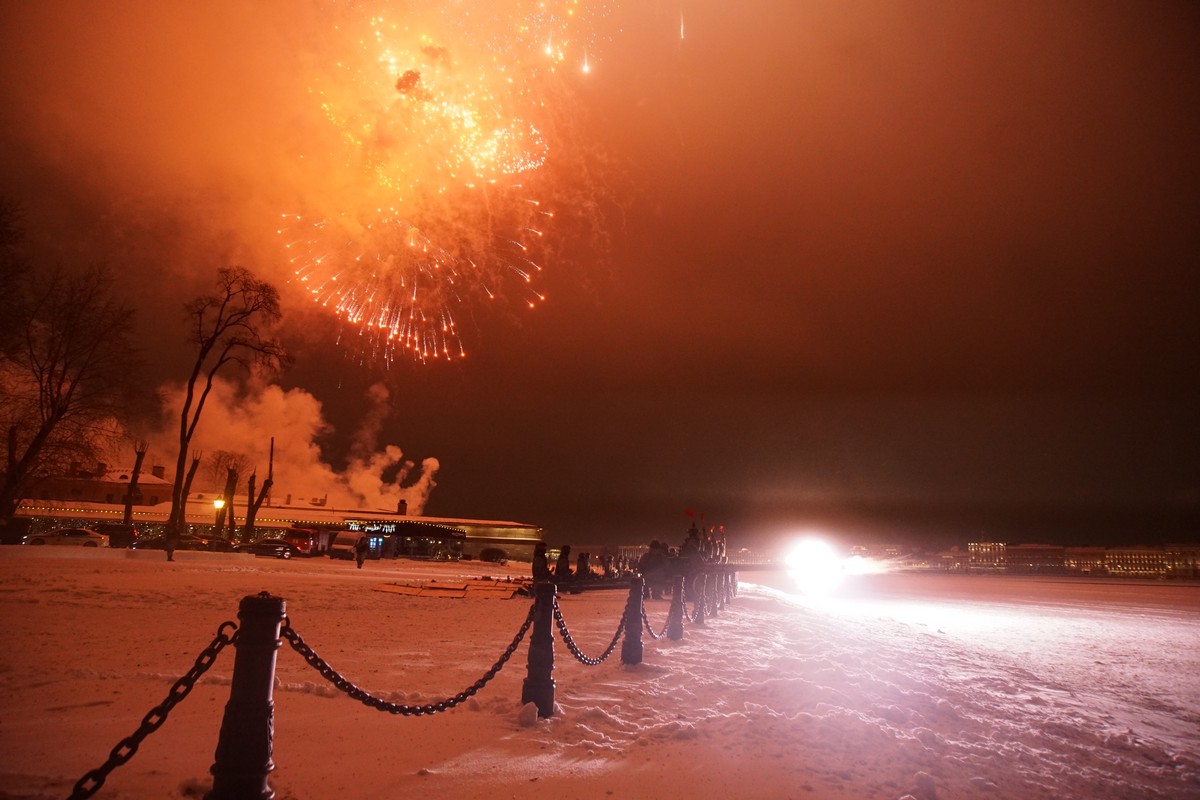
[(218, 504)]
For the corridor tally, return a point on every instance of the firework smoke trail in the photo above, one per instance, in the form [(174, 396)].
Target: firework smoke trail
[(443, 115)]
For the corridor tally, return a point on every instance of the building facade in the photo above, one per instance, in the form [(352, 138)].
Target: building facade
[(105, 484), (506, 540), (1142, 561)]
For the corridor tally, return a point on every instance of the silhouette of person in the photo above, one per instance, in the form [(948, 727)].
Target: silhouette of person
[(541, 567), (654, 568), (562, 568)]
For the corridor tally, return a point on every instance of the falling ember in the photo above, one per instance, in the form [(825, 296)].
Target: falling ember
[(442, 114)]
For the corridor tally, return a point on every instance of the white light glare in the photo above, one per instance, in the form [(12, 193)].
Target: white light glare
[(815, 567)]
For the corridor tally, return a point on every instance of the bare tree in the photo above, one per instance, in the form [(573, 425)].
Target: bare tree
[(231, 326), (67, 374), (254, 503), (191, 473), (227, 496), (139, 450), (221, 462), (232, 465)]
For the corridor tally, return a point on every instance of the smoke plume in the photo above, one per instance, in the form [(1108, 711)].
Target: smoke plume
[(244, 420)]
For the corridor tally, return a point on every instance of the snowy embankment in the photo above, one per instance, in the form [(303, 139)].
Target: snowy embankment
[(929, 686)]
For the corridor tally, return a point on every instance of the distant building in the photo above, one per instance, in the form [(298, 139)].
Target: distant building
[(744, 555), (1136, 562), (1183, 560), (85, 497), (954, 560), (105, 484), (895, 556), (514, 540), (1034, 559), (880, 552), (1085, 561), (987, 556)]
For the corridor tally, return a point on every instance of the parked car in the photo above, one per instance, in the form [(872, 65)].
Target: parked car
[(309, 542), (83, 537), (493, 555), (118, 533), (344, 545), (279, 548), (186, 541)]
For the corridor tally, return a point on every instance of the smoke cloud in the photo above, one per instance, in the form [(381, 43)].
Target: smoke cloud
[(244, 420)]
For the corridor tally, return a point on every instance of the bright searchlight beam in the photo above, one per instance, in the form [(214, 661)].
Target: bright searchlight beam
[(815, 567)]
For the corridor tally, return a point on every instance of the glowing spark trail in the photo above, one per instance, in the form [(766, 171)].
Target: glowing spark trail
[(444, 117)]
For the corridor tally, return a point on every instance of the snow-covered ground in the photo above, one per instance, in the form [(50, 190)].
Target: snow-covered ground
[(924, 685)]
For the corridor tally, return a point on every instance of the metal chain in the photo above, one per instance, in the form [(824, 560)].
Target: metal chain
[(91, 782), (575, 651), (693, 615), (649, 630), (366, 698)]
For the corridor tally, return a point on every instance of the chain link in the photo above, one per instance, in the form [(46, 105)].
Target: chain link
[(689, 594), (649, 630), (227, 634), (379, 704), (91, 782), (575, 651)]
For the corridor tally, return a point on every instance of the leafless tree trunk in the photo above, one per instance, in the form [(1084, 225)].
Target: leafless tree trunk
[(139, 448), (175, 523), (229, 326), (253, 504), (227, 495)]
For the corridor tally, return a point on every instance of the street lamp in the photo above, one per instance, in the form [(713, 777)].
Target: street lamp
[(218, 504)]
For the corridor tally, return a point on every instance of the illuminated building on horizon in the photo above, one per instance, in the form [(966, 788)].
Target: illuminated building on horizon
[(1135, 561)]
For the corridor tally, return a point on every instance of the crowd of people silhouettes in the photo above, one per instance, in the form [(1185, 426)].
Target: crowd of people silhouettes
[(659, 565)]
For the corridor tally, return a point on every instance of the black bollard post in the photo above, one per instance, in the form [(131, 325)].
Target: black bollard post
[(243, 757), (675, 615), (539, 680), (631, 648)]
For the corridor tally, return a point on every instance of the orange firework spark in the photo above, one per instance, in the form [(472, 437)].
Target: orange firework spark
[(442, 114)]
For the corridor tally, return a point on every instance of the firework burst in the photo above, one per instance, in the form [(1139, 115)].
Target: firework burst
[(443, 117)]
